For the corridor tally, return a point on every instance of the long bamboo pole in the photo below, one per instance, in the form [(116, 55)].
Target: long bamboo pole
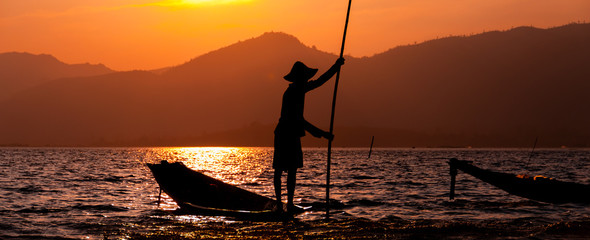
[(332, 117)]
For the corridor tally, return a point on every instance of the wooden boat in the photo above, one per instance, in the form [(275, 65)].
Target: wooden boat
[(197, 193), (537, 188)]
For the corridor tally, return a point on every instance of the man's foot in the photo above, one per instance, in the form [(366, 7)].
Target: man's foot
[(291, 208), (278, 207)]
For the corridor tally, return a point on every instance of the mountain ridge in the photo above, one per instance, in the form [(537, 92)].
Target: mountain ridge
[(499, 88), (23, 70)]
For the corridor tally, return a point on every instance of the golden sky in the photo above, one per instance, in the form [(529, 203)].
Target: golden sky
[(150, 34)]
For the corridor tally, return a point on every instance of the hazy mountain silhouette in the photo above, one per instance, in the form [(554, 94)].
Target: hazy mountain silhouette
[(491, 89), (20, 71), (518, 84)]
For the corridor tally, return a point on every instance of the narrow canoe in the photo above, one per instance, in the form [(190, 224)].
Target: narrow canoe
[(197, 193), (537, 188)]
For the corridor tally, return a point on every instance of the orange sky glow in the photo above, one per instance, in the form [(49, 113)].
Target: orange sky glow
[(151, 34)]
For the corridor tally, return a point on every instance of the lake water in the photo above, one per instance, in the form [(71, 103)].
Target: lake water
[(98, 193)]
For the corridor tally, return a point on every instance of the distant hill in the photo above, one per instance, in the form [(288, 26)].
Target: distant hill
[(518, 84), (20, 71), (498, 89)]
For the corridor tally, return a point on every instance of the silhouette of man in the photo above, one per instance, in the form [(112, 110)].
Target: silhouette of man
[(288, 155)]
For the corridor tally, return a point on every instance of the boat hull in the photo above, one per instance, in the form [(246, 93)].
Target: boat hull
[(195, 192), (538, 188)]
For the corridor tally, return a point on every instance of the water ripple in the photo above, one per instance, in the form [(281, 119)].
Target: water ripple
[(74, 193)]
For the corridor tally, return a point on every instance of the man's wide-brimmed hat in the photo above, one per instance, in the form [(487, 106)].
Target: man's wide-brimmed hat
[(300, 72)]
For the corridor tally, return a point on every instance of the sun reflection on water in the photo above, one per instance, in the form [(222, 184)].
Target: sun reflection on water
[(233, 165)]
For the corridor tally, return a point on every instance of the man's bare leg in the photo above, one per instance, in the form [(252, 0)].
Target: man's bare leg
[(277, 184), (291, 182)]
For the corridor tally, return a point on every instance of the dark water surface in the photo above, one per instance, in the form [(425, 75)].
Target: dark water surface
[(97, 193)]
